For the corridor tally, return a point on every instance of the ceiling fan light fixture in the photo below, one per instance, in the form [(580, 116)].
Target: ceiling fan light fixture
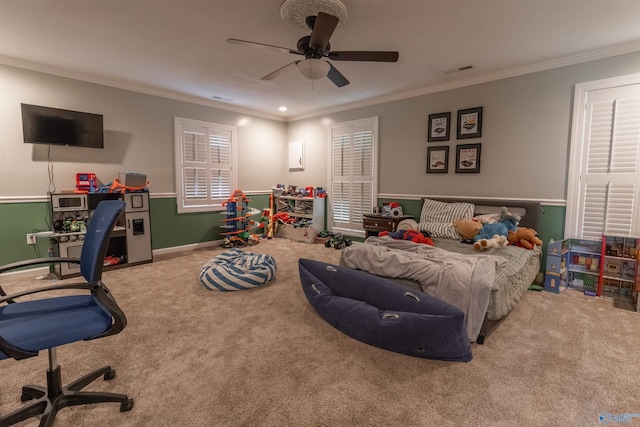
[(313, 69)]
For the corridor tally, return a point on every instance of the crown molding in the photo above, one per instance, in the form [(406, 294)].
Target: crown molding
[(593, 55), (485, 78), (134, 87)]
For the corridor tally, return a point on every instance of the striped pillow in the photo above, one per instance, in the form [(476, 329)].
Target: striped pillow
[(437, 217)]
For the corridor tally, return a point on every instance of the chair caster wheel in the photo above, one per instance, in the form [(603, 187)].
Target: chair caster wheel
[(480, 340), (126, 406), (24, 397), (110, 375)]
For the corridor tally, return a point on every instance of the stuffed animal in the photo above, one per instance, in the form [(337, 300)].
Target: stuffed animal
[(496, 241), (524, 237), (413, 235), (508, 222), (467, 228)]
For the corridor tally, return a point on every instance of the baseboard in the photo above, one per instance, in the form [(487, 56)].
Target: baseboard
[(44, 271)]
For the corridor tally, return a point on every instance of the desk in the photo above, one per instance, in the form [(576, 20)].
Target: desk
[(374, 224)]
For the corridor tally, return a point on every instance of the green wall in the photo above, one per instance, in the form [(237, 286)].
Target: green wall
[(168, 229)]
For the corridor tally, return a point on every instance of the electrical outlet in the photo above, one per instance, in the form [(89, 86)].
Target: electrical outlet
[(31, 239)]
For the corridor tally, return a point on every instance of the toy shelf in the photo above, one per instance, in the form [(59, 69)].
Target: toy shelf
[(620, 277), (608, 267), (308, 208)]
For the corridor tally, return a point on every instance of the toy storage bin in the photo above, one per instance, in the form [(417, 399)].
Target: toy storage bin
[(301, 234)]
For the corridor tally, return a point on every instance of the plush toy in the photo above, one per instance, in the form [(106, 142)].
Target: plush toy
[(496, 241), (508, 222), (524, 237), (467, 228), (413, 235)]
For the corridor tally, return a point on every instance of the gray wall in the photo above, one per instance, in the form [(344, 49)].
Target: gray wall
[(139, 136), (525, 135)]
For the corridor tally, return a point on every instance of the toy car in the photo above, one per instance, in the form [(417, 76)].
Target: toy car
[(337, 241)]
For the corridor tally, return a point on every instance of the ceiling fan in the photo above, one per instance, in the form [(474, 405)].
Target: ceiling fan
[(316, 46)]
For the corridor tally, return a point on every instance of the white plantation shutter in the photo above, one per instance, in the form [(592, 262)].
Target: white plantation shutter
[(204, 163), (610, 175), (353, 173)]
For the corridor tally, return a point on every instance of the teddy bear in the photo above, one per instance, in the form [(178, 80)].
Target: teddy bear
[(496, 241), (508, 222), (467, 228), (524, 237)]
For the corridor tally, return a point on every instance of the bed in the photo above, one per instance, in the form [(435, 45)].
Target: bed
[(485, 285)]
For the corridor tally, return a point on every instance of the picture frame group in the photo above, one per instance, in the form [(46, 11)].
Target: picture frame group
[(468, 125)]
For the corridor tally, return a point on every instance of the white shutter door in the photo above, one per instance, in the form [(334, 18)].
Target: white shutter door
[(609, 184)]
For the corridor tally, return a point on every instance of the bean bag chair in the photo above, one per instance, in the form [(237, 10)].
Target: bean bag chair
[(384, 314), (236, 270)]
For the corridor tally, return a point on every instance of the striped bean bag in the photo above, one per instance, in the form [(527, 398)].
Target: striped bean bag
[(236, 270)]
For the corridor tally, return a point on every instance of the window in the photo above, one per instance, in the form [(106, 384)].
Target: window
[(604, 175), (205, 172), (353, 173)]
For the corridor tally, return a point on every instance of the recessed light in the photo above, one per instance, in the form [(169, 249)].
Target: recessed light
[(282, 108)]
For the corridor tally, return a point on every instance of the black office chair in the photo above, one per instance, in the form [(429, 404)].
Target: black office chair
[(33, 325)]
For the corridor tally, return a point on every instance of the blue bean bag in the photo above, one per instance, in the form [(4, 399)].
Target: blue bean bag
[(384, 314), (236, 270)]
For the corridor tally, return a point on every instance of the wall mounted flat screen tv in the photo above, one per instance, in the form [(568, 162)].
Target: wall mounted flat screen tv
[(45, 125)]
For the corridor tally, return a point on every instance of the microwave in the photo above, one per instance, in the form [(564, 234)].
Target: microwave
[(68, 202)]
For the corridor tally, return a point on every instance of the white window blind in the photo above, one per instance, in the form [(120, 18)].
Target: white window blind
[(204, 164), (353, 173), (610, 174)]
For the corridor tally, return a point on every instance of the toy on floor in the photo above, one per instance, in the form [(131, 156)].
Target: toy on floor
[(237, 223), (413, 235), (337, 240)]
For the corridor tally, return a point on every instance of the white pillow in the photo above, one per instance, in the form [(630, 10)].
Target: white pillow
[(487, 218)]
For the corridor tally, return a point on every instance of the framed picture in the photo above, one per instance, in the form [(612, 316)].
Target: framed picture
[(470, 123), (439, 125), (438, 159), (468, 158)]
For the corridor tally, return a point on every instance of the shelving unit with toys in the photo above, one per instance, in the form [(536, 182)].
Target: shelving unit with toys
[(609, 267), (583, 265), (573, 263), (620, 275)]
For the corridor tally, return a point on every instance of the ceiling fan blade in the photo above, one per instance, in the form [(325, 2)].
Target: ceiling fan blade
[(356, 55), (323, 28), (336, 77), (256, 44), (279, 71)]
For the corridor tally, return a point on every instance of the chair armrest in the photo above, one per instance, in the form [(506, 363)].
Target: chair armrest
[(87, 286), (36, 261)]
